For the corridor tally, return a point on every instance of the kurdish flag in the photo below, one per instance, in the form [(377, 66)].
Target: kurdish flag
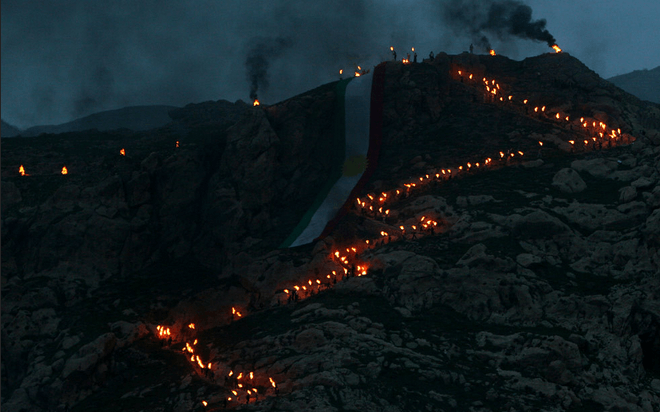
[(360, 101)]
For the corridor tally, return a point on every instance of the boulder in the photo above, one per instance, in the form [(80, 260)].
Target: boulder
[(627, 194), (601, 168), (568, 181)]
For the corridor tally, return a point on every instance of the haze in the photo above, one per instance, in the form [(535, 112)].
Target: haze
[(64, 60)]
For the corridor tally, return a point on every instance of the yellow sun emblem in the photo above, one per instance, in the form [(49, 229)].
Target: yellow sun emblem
[(355, 165)]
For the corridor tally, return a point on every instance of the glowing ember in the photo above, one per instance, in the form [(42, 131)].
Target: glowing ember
[(21, 170), (256, 103), (122, 152), (272, 382), (557, 49), (492, 52), (540, 143), (191, 326), (64, 170)]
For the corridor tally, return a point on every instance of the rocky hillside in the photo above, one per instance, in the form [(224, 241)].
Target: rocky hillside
[(152, 281), (644, 84)]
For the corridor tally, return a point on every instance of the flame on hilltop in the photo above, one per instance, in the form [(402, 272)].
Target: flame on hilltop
[(557, 49), (492, 52), (256, 102)]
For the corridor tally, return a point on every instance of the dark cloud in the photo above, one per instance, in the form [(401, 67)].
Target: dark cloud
[(501, 18)]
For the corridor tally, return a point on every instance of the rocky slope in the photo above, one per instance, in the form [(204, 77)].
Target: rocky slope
[(538, 289)]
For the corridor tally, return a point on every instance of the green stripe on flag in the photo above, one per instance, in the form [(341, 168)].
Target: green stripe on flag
[(338, 161)]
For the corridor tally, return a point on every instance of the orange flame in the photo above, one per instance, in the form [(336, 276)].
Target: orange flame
[(65, 170), (177, 143), (557, 49), (122, 152), (256, 103), (492, 52), (21, 170)]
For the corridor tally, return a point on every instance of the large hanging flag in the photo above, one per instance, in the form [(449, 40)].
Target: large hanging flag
[(361, 103)]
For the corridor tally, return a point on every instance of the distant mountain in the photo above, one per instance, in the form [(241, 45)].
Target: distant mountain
[(644, 84), (134, 118), (9, 130)]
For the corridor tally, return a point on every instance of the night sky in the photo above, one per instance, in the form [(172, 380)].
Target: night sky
[(66, 59)]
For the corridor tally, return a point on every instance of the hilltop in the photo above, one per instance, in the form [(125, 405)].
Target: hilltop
[(9, 130), (135, 118), (644, 84), (537, 290)]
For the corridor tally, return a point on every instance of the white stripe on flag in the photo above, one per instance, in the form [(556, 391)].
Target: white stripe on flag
[(357, 106)]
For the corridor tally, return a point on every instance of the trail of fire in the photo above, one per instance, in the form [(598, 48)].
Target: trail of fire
[(608, 136), (349, 261)]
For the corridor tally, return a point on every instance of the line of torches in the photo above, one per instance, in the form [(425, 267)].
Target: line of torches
[(598, 131), (246, 387), (349, 260)]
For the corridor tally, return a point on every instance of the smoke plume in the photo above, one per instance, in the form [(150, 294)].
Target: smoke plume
[(503, 19), (258, 61)]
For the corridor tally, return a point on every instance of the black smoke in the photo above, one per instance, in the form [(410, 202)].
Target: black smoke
[(502, 19), (258, 61)]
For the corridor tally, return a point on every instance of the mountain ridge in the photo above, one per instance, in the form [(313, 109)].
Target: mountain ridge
[(644, 84), (539, 281)]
